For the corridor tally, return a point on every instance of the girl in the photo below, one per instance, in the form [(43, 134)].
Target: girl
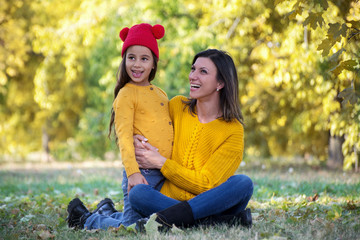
[(138, 108)]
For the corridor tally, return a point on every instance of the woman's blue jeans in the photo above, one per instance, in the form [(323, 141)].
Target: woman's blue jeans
[(231, 197), (128, 216)]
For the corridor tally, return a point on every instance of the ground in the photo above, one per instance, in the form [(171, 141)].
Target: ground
[(290, 201)]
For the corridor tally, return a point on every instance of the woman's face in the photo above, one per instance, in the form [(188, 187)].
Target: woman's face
[(139, 63), (203, 82)]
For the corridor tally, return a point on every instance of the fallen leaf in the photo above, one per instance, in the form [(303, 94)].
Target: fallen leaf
[(350, 205), (40, 227), (115, 230), (45, 235), (27, 218), (15, 211), (313, 198), (277, 238), (96, 191), (131, 228), (93, 230), (175, 229), (255, 216), (151, 225)]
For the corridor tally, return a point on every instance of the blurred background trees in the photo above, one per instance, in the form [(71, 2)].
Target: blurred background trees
[(297, 60)]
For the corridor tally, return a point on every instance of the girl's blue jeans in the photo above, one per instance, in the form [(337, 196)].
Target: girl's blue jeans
[(231, 197), (128, 216)]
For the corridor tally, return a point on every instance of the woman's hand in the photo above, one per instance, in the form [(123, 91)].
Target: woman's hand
[(140, 142), (147, 156), (135, 179)]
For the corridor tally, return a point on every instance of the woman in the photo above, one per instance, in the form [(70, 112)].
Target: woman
[(208, 148)]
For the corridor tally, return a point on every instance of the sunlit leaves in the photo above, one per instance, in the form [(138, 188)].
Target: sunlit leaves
[(57, 68), (13, 38), (279, 1), (58, 45), (344, 65), (325, 46), (340, 42), (314, 20), (336, 30), (334, 34)]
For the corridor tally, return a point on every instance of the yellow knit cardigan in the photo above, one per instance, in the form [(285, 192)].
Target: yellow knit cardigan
[(142, 110)]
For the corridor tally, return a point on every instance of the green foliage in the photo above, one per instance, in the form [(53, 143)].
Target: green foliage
[(297, 62)]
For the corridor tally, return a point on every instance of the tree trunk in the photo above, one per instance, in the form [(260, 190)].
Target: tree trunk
[(356, 160), (336, 157), (45, 144)]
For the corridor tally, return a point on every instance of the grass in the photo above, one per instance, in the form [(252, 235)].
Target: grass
[(289, 202)]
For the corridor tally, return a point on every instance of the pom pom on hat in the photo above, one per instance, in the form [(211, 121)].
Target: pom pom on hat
[(158, 31), (144, 35), (123, 33)]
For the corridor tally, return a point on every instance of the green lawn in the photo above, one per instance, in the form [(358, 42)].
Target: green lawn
[(288, 203)]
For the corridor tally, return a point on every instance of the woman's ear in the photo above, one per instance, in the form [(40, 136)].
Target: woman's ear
[(220, 85)]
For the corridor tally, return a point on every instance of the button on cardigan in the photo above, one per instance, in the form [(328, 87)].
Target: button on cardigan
[(142, 110)]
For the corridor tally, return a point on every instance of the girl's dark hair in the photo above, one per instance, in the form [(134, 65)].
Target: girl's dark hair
[(229, 94), (122, 79)]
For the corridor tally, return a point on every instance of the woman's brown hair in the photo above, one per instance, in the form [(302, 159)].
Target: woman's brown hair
[(229, 94)]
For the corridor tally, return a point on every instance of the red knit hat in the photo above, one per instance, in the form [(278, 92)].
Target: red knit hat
[(142, 34)]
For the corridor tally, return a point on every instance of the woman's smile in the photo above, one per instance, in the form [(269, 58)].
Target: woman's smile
[(194, 87)]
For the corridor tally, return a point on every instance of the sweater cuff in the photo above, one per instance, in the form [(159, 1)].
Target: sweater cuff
[(131, 171), (168, 167)]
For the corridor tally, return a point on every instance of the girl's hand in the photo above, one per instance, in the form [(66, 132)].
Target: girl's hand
[(135, 179)]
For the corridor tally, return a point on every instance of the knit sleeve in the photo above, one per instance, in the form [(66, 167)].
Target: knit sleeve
[(124, 108), (162, 91), (221, 165), (176, 105)]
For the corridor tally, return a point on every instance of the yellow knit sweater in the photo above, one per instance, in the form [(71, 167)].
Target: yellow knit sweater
[(142, 110), (204, 155)]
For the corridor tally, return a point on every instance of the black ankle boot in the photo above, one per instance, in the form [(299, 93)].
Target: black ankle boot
[(244, 218), (105, 207), (230, 220), (78, 214), (180, 215)]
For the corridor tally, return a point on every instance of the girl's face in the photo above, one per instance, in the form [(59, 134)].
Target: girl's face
[(203, 82), (139, 63)]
